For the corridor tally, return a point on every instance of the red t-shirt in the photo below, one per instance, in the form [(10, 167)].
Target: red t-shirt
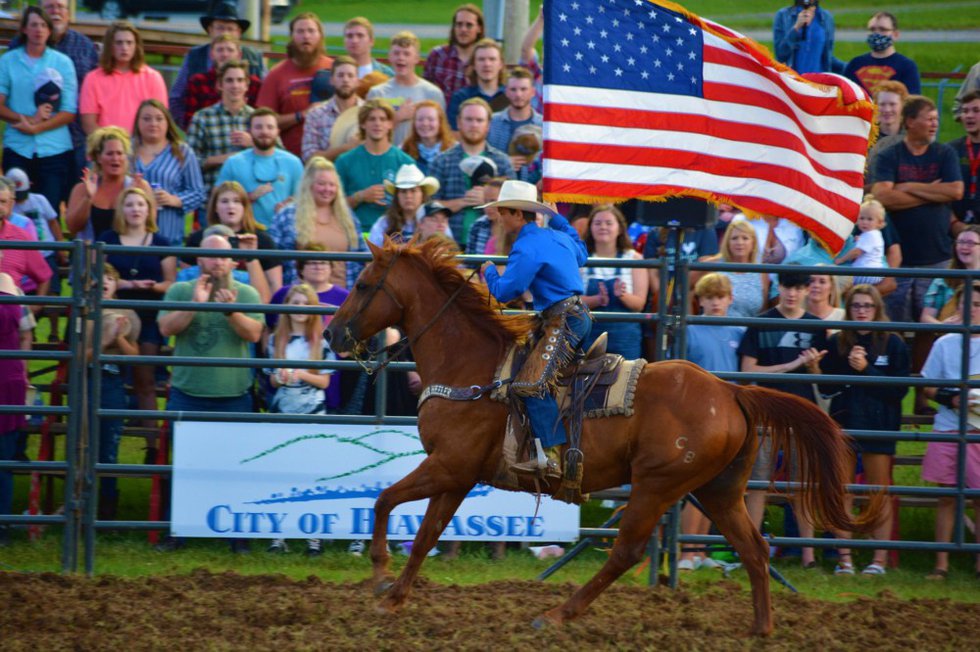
[(285, 90), (22, 262)]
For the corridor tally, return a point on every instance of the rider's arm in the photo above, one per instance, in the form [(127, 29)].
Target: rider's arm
[(522, 267)]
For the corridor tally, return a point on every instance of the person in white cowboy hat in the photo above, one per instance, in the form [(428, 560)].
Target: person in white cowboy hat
[(409, 191), (546, 261)]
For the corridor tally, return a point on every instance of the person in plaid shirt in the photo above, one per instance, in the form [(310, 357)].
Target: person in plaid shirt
[(321, 118), (446, 64), (202, 88), (456, 190), (220, 130)]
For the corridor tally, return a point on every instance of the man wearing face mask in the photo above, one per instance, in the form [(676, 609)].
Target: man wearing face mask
[(803, 36), (883, 62)]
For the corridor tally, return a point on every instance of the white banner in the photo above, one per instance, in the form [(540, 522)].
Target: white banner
[(299, 481)]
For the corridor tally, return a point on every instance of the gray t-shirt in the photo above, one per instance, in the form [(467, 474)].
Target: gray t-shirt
[(396, 94)]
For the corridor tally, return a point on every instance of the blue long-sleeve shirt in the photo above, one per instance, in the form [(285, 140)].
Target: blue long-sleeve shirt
[(544, 260), (789, 43)]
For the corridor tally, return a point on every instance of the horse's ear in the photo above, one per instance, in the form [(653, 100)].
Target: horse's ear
[(375, 249)]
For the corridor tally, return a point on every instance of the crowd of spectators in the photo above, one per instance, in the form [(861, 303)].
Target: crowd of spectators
[(321, 153)]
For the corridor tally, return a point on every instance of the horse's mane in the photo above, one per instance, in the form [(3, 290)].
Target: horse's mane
[(437, 256)]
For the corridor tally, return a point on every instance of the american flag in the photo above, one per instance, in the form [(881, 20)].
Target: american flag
[(643, 99)]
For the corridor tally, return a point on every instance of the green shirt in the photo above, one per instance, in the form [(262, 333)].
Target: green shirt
[(359, 169), (209, 335)]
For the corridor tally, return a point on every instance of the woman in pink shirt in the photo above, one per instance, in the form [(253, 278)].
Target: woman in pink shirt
[(112, 92)]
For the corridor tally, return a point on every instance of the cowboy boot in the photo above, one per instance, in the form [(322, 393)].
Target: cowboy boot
[(547, 465)]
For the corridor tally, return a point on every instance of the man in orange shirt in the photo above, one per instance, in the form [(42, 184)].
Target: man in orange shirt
[(286, 89)]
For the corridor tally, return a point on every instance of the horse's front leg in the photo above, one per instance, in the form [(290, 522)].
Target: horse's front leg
[(440, 510), (427, 480)]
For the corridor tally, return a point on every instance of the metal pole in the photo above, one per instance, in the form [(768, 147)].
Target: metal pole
[(75, 437), (95, 422)]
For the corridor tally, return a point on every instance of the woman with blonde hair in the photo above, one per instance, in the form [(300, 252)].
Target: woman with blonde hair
[(750, 290), (320, 215), (430, 134), (141, 277), (92, 202), (169, 165)]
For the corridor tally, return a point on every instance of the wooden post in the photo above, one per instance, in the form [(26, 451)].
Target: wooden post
[(515, 24)]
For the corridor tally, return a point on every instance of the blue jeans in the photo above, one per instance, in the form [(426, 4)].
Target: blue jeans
[(8, 446), (542, 411), (112, 397)]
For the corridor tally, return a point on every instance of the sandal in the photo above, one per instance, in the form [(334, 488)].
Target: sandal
[(937, 574), (874, 569), (844, 568)]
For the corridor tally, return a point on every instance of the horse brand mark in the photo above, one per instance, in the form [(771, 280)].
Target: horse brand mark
[(689, 457), (681, 442)]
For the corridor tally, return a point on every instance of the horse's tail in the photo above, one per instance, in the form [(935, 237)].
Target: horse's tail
[(805, 433)]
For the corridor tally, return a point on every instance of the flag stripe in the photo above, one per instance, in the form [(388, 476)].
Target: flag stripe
[(827, 230), (569, 123), (766, 81), (748, 119), (650, 157)]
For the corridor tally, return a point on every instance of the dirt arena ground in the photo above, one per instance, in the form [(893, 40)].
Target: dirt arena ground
[(205, 611)]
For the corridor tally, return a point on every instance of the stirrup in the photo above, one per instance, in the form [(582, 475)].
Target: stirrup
[(549, 471)]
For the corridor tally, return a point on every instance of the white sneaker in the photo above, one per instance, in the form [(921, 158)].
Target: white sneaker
[(688, 564), (356, 548), (278, 546), (708, 562)]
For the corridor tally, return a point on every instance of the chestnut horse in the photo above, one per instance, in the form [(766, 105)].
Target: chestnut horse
[(690, 431)]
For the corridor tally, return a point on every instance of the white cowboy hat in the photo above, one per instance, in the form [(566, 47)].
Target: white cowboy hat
[(410, 176), (522, 196)]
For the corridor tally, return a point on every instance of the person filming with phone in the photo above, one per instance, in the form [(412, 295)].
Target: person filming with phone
[(212, 335), (803, 37)]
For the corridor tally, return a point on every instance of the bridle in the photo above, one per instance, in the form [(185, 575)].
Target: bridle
[(367, 362)]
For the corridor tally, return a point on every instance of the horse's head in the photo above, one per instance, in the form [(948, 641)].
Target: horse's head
[(373, 303)]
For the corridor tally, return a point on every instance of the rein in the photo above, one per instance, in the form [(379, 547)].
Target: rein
[(368, 363)]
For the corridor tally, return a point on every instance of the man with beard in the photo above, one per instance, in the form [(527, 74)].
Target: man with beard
[(364, 169), (222, 20), (405, 89), (446, 64), (486, 80), (321, 118), (883, 61), (967, 149), (503, 124), (286, 90), (220, 130), (916, 180), (456, 190), (269, 175)]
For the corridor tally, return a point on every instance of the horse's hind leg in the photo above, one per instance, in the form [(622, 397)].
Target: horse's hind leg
[(724, 505), (440, 510), (426, 481), (640, 516)]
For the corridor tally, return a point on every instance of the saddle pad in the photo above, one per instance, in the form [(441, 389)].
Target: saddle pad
[(617, 399)]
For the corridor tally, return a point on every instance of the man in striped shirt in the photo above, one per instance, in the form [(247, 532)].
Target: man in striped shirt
[(220, 130)]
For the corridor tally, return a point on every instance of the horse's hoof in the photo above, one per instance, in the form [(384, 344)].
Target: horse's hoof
[(383, 587), (545, 620), (388, 607)]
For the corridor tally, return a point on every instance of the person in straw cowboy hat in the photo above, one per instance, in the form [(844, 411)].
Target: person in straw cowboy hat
[(546, 261), (409, 191)]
